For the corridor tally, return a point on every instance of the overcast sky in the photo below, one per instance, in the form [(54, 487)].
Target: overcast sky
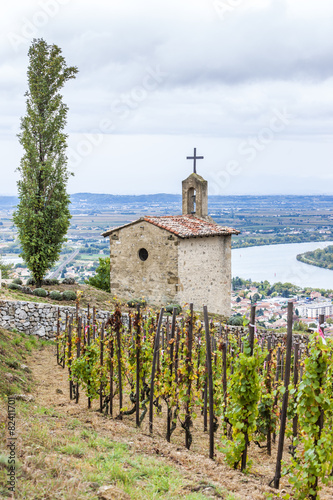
[(249, 83)]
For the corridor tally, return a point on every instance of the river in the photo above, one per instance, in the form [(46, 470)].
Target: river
[(278, 263)]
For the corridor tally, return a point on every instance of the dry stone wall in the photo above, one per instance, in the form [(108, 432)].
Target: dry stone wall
[(39, 319), (262, 334)]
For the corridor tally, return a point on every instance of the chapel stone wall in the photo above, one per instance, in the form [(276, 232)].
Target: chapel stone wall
[(155, 278), (205, 273)]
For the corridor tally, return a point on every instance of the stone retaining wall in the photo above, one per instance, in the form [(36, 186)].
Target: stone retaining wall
[(277, 337), (36, 318)]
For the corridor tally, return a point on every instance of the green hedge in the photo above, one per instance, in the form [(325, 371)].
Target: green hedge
[(136, 302), (69, 295), (14, 286), (169, 308), (40, 292), (55, 295)]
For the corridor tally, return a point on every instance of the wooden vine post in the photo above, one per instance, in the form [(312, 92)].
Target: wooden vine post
[(70, 358), (88, 322), (199, 342), (77, 309), (101, 386), (210, 385), (251, 343), (138, 349), (285, 396), (205, 400), (170, 350), (189, 369), (269, 388), (64, 341), (94, 321), (88, 342), (295, 418), (156, 349), (178, 333), (277, 375), (252, 328), (58, 333), (117, 319), (78, 354), (225, 387), (111, 347), (172, 337)]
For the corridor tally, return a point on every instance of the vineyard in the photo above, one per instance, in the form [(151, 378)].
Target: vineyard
[(246, 388)]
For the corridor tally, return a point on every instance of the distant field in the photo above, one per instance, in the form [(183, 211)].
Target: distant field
[(87, 256), (261, 219)]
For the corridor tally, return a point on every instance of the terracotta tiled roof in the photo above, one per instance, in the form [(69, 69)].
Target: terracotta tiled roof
[(188, 226), (184, 226)]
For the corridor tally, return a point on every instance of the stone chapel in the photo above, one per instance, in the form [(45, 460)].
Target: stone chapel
[(175, 259)]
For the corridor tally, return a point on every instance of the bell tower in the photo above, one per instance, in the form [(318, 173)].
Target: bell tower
[(195, 192)]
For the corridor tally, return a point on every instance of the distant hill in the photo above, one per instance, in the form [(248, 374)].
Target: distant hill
[(109, 199), (104, 202), (8, 201)]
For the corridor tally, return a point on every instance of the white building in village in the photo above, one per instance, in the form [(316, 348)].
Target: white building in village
[(312, 311)]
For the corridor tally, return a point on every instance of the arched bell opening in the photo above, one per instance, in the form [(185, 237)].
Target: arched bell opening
[(191, 201)]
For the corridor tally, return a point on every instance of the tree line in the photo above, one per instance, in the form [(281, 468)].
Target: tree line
[(275, 239), (266, 289), (321, 257)]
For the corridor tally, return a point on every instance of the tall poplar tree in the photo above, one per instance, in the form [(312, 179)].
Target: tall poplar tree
[(42, 215)]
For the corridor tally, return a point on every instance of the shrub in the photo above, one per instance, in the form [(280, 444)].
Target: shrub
[(101, 280), (14, 286), (169, 308), (31, 282), (18, 281), (68, 281), (50, 281), (55, 295), (236, 320), (136, 302), (5, 269), (40, 292), (69, 295), (26, 289)]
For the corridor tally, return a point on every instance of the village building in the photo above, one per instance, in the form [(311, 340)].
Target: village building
[(175, 259), (315, 309)]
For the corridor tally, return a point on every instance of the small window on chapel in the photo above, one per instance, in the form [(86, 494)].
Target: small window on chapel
[(143, 254)]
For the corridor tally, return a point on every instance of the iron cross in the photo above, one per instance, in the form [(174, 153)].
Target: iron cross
[(194, 158)]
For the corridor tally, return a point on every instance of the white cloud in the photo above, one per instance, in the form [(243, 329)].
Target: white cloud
[(217, 78)]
